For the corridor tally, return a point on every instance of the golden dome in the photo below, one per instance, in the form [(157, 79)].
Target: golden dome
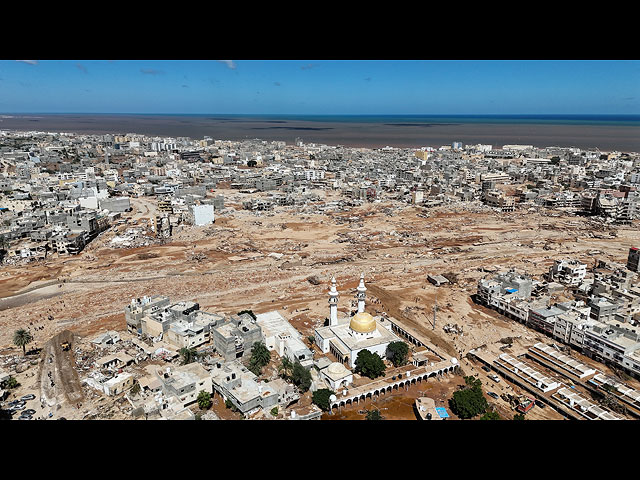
[(362, 322)]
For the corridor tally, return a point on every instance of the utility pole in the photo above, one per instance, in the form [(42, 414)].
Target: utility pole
[(435, 309)]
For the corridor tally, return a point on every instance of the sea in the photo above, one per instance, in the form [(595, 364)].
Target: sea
[(601, 132)]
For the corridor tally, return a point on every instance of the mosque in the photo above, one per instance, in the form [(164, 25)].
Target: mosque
[(345, 337)]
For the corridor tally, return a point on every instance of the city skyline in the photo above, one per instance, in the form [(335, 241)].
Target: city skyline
[(321, 87)]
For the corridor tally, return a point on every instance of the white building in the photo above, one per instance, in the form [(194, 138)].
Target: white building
[(202, 214), (337, 376), (568, 272), (345, 337), (279, 335)]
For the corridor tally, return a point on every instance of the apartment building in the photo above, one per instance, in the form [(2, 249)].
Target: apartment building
[(633, 260), (568, 272), (497, 199), (185, 382), (140, 307), (237, 384), (614, 345)]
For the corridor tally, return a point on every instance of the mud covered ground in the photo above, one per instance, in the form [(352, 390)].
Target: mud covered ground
[(285, 259)]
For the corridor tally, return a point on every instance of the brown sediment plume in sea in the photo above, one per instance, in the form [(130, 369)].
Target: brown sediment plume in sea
[(351, 133)]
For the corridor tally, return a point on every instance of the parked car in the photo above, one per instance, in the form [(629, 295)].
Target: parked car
[(495, 378), (29, 396), (485, 368), (29, 411), (493, 395), (540, 404), (25, 417), (17, 406)]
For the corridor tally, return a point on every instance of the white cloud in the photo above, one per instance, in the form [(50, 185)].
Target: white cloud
[(229, 63), (30, 62)]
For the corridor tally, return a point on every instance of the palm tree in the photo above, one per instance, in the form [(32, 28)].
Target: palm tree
[(260, 357), (188, 355), (21, 338), (260, 354), (286, 368)]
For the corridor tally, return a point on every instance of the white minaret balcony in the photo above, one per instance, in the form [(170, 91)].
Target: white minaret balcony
[(361, 294)]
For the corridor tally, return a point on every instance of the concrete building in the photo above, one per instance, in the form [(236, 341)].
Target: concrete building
[(345, 337), (567, 272), (510, 282), (185, 382), (235, 337), (633, 260), (140, 307), (614, 345), (203, 214), (603, 309), (497, 199), (115, 204), (337, 376), (279, 335), (114, 385), (236, 383), (543, 319)]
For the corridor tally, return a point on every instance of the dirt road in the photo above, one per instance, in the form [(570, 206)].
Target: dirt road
[(60, 384)]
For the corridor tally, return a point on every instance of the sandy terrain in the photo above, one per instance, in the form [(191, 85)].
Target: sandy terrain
[(227, 267)]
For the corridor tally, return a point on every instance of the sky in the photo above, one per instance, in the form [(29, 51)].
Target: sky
[(321, 87)]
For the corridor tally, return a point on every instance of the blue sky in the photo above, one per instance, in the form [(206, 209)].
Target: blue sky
[(320, 86)]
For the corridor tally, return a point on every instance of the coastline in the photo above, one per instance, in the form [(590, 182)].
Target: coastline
[(621, 133)]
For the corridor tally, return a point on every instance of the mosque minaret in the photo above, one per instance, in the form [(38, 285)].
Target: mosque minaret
[(346, 336), (333, 303), (361, 294)]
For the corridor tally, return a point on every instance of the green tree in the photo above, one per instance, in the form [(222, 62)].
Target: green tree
[(189, 355), (491, 416), (469, 402), (204, 400), (369, 364), (301, 377), (135, 389), (373, 414), (21, 338), (286, 368), (274, 411), (398, 353), (321, 398), (260, 357), (250, 312), (473, 382), (10, 383), (229, 404), (518, 416)]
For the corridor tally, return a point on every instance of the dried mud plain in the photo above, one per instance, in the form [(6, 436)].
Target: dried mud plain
[(284, 260)]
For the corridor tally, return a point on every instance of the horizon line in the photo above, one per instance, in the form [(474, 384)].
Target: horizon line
[(318, 114)]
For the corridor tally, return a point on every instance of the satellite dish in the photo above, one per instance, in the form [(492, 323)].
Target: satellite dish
[(454, 361), (332, 398)]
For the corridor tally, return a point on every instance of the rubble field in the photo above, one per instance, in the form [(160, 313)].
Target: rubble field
[(283, 260)]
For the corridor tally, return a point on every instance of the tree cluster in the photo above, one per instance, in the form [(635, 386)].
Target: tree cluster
[(398, 352), (469, 402), (189, 355), (260, 358), (369, 364), (295, 373), (321, 398)]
